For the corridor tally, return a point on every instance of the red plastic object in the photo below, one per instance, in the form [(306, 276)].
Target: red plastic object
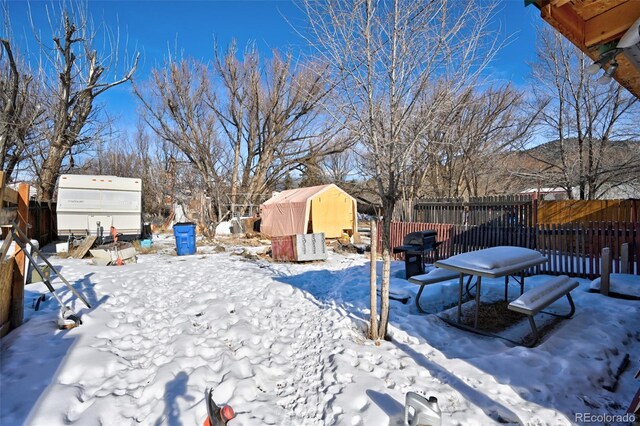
[(282, 248), (227, 413)]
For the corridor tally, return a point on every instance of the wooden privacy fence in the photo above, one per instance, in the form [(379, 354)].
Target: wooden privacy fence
[(572, 211), (400, 229), (576, 249), (12, 269), (571, 249), (469, 238), (518, 210), (42, 222)]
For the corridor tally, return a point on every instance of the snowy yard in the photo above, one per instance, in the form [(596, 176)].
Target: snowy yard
[(283, 344)]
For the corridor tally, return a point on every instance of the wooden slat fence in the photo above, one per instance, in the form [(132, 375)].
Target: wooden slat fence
[(42, 217), (576, 249), (516, 210), (12, 268), (519, 210), (571, 249), (584, 211), (42, 221), (400, 229), (469, 238)]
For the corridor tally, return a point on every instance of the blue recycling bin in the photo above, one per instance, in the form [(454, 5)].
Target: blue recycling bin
[(185, 233)]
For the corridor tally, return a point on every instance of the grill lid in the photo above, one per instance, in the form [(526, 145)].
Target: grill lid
[(420, 238)]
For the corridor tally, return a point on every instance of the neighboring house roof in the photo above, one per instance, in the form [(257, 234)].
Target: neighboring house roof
[(543, 190)]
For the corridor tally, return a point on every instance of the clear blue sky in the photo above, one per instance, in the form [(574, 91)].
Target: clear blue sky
[(156, 27)]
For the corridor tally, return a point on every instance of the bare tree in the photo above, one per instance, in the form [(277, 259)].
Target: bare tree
[(384, 57), (136, 156), (73, 75), (19, 104), (175, 106), (270, 115), (482, 127), (589, 123), (337, 167)]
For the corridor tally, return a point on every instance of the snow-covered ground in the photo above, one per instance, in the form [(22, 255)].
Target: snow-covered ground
[(624, 284), (284, 344)]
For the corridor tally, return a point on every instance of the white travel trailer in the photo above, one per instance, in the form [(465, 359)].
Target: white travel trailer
[(87, 203)]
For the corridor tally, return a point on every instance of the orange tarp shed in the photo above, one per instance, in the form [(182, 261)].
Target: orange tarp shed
[(324, 208)]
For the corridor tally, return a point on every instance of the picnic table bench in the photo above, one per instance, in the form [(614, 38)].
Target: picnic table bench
[(538, 298), (434, 276)]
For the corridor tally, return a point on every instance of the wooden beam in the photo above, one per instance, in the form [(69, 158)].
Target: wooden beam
[(6, 194), (566, 21), (628, 75), (6, 280), (10, 195), (603, 26), (559, 3), (611, 24), (17, 288)]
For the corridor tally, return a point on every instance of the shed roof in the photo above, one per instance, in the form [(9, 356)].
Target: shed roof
[(300, 195)]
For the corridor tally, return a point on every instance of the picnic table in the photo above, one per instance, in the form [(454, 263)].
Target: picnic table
[(494, 262)]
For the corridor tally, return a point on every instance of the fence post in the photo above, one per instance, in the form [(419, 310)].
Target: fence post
[(17, 287), (606, 271), (624, 258), (36, 225), (636, 248)]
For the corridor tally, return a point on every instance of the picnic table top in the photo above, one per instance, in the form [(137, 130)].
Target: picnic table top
[(493, 262)]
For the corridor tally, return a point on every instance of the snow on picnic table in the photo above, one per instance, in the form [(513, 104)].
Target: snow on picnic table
[(284, 345)]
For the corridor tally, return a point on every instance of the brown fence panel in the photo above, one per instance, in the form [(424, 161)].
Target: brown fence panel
[(575, 249), (6, 274), (513, 209), (581, 211), (400, 229), (42, 222)]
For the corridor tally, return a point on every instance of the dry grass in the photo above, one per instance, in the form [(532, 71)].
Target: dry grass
[(493, 317), (144, 250), (496, 317), (239, 240)]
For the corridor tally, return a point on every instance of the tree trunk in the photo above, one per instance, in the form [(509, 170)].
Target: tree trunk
[(50, 171), (384, 293), (373, 324), (234, 175), (388, 204)]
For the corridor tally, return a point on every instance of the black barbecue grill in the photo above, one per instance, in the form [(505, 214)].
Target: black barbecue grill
[(415, 247)]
